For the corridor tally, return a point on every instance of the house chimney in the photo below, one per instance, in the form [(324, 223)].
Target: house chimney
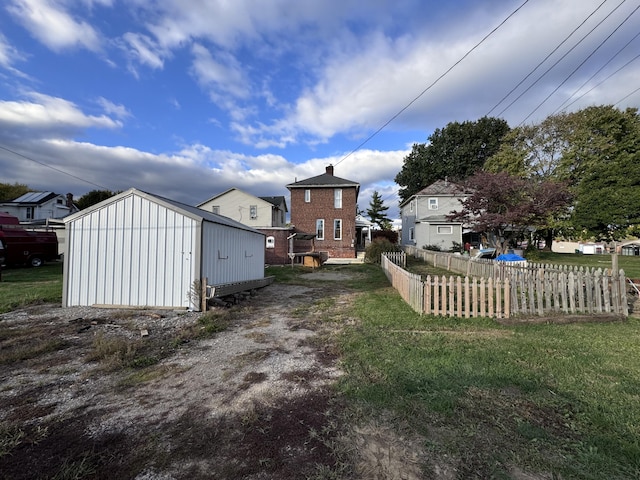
[(70, 200), (330, 170)]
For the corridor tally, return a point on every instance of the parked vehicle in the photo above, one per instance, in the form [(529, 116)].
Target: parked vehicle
[(21, 246)]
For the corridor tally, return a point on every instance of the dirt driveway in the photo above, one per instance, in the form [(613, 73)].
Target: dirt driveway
[(244, 392)]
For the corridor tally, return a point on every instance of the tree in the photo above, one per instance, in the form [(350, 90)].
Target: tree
[(10, 192), (93, 197), (457, 151), (505, 206), (377, 212)]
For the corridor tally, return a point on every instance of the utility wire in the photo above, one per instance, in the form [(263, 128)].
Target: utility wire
[(402, 110), (559, 60), (581, 64), (601, 82), (52, 168), (627, 96), (544, 60)]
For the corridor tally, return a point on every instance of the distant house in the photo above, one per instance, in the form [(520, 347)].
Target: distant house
[(325, 207), (248, 209), (40, 206), (424, 221)]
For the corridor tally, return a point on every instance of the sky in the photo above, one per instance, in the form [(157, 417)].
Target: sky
[(189, 98)]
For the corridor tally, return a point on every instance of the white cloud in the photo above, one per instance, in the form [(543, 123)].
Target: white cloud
[(144, 50), (221, 76), (52, 25), (46, 115), (112, 109)]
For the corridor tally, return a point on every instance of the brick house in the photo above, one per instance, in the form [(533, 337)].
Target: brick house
[(325, 206)]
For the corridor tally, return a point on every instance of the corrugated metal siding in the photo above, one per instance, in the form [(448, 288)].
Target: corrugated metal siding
[(131, 252), (231, 255)]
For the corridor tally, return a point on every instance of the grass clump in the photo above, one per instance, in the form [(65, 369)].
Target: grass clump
[(27, 286)]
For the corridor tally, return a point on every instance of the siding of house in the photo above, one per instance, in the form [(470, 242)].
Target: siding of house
[(304, 216), (236, 204), (428, 223)]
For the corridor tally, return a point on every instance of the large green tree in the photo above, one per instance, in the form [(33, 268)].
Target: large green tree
[(93, 197), (456, 151), (10, 191), (603, 165), (377, 212)]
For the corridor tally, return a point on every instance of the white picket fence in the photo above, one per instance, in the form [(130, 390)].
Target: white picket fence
[(501, 291)]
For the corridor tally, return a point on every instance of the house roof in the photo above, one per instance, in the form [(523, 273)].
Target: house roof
[(188, 210), (34, 198), (324, 180), (276, 201), (439, 188)]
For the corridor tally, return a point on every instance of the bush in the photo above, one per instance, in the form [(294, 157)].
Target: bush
[(374, 251), (390, 235), (433, 248)]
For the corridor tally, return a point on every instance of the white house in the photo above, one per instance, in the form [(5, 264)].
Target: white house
[(423, 216), (256, 212), (140, 250), (40, 206)]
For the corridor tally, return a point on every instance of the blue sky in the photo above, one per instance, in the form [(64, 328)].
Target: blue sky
[(188, 98)]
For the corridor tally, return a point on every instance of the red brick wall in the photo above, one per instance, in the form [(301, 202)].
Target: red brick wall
[(304, 216), (279, 254)]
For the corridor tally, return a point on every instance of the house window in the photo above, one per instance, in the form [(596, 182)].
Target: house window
[(320, 229), (433, 204), (307, 195), (412, 234), (337, 198), (30, 213), (216, 209), (253, 212), (59, 201), (411, 206), (448, 230), (337, 229)]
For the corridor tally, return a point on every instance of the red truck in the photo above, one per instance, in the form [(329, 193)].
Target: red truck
[(19, 246)]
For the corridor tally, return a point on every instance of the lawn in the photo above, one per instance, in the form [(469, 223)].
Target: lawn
[(630, 264), (489, 400), (22, 286)]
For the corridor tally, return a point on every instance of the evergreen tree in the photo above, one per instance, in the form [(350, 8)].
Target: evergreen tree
[(377, 212)]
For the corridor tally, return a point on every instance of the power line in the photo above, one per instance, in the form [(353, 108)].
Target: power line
[(581, 64), (627, 96), (596, 73), (544, 60), (601, 82), (431, 85), (52, 168), (560, 59)]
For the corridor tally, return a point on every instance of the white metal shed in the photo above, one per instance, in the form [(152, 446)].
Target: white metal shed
[(141, 250)]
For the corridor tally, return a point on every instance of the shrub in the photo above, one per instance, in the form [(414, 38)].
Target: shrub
[(376, 248), (390, 235), (433, 248)]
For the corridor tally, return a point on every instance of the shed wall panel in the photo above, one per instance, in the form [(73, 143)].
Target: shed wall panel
[(231, 255), (131, 252)]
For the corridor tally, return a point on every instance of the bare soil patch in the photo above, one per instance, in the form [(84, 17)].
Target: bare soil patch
[(148, 394)]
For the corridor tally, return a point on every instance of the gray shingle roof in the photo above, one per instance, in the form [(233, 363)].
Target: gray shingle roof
[(324, 180)]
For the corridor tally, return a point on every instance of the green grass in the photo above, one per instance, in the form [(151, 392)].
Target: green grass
[(26, 286), (630, 264), (550, 399)]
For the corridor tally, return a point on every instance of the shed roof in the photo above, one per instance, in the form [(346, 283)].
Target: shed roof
[(188, 210)]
